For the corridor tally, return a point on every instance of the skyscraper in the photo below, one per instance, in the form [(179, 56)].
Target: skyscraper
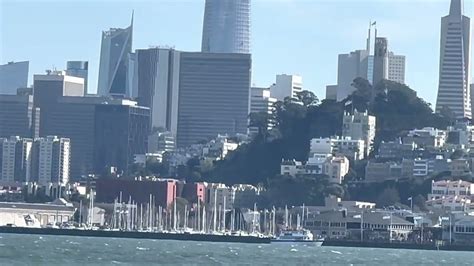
[(380, 60), (226, 26), (157, 83), (78, 69), (454, 68), (13, 75), (396, 68), (115, 62), (286, 86), (214, 96), (18, 117), (361, 63), (52, 160)]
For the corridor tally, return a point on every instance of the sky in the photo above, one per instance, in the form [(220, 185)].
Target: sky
[(288, 36)]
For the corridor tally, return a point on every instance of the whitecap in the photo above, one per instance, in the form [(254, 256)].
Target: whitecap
[(140, 248), (336, 252), (293, 250)]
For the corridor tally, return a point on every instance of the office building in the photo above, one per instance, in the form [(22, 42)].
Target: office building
[(160, 142), (361, 64), (360, 126), (286, 86), (15, 160), (13, 75), (396, 68), (53, 160), (226, 27), (79, 69), (158, 85), (350, 67), (115, 62), (162, 190), (47, 89), (18, 117), (103, 132), (455, 60), (214, 96), (121, 131), (380, 60), (261, 102)]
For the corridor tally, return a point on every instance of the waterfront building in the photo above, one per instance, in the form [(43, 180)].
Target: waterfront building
[(360, 126), (22, 214), (336, 224), (13, 75), (18, 116), (226, 27), (194, 192), (219, 195), (15, 160), (162, 191), (116, 45), (261, 102), (336, 167), (455, 62), (214, 96), (78, 69), (286, 86)]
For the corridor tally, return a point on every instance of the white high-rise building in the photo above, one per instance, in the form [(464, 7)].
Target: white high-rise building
[(226, 27), (261, 101), (350, 67), (361, 63), (396, 68), (15, 160), (455, 60), (360, 126), (286, 86), (53, 160)]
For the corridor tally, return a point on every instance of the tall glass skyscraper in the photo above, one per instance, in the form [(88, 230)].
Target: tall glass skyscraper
[(114, 62), (226, 27), (454, 68)]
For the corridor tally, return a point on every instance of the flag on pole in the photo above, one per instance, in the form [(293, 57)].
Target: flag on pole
[(410, 198), (374, 23)]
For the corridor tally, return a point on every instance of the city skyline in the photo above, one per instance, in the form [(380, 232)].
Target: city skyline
[(314, 60)]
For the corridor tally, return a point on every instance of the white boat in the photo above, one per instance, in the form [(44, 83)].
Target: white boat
[(301, 235)]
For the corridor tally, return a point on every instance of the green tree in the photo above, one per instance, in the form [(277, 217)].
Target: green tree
[(388, 197)]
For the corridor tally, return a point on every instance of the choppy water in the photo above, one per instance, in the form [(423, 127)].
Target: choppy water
[(59, 250)]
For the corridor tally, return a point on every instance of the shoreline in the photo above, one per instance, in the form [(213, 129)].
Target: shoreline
[(135, 235), (355, 244)]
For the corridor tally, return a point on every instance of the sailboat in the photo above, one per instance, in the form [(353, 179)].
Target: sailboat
[(299, 234)]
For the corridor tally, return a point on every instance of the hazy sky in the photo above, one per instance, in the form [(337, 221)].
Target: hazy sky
[(288, 36)]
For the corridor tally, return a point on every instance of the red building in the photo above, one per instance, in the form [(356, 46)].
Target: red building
[(194, 191), (162, 190)]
